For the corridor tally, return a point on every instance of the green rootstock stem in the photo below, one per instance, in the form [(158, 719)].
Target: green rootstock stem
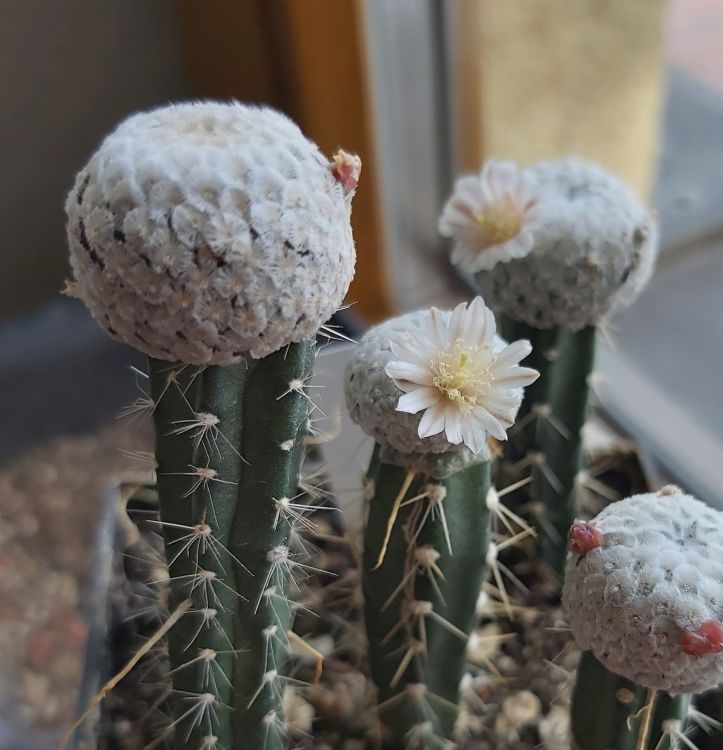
[(439, 662), (525, 436), (227, 573), (710, 704), (554, 484), (605, 708)]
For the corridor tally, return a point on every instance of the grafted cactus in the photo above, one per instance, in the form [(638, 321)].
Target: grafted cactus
[(216, 239), (644, 593), (644, 590), (556, 249), (427, 537)]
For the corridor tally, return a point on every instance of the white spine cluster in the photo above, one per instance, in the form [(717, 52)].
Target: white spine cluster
[(594, 248), (202, 232), (644, 590)]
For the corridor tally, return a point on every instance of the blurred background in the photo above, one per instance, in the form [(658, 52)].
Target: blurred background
[(422, 90)]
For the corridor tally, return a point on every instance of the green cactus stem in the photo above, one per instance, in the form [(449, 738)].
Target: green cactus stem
[(605, 710), (229, 443), (561, 442), (549, 443), (710, 737), (417, 620), (525, 437)]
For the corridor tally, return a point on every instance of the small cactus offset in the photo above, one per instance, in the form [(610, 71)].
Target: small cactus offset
[(427, 537), (216, 239), (555, 249)]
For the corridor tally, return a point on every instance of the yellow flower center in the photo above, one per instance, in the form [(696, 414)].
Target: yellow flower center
[(499, 222), (462, 373)]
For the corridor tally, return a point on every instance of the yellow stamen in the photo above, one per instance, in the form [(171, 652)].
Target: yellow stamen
[(499, 223), (461, 375)]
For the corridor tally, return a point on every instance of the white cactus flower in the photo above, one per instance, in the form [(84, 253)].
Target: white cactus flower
[(450, 369), (592, 252), (491, 217), (372, 395)]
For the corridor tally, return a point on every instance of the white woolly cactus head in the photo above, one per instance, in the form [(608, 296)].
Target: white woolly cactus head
[(562, 243), (202, 232), (434, 382), (644, 590)]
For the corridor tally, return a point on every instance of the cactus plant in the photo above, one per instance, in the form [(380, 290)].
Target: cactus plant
[(556, 249), (216, 239), (427, 533), (642, 592)]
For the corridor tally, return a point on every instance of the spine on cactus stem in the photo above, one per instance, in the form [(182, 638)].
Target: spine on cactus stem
[(554, 483), (606, 710), (229, 444), (525, 439), (420, 603), (548, 439)]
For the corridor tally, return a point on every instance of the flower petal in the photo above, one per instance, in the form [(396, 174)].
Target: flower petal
[(503, 407), (477, 321), (489, 423), (457, 219), (468, 197), (487, 331), (418, 399), (500, 178), (512, 354), (465, 257), (515, 377), (457, 323), (408, 371), (411, 350), (432, 421), (474, 435), (453, 426), (437, 327)]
